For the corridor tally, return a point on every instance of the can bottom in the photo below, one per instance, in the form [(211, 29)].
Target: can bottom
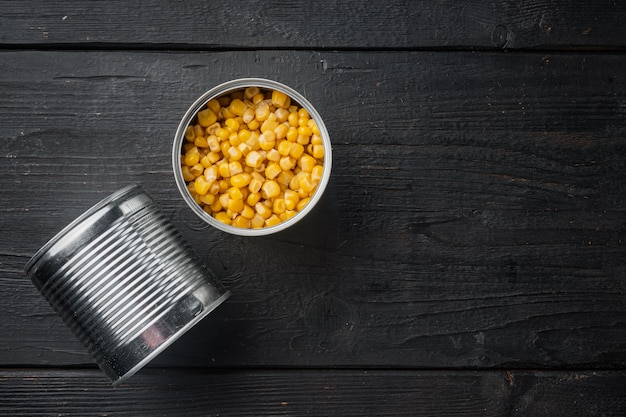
[(131, 357)]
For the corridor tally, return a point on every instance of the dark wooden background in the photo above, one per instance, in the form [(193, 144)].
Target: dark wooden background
[(467, 258)]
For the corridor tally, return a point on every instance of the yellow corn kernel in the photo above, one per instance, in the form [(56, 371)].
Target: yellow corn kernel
[(262, 210), (241, 222), (201, 186), (211, 129), (267, 140), (206, 117), (307, 162), (189, 134), (216, 206), (257, 221), (232, 124), (254, 124), (284, 177), (279, 205), (303, 140), (303, 193), (280, 99), (248, 115), (214, 143), (291, 199), (247, 211), (237, 107), (255, 185), (222, 133), (269, 125), (316, 173), (198, 130), (233, 139), (253, 198), (224, 185), (272, 155), (293, 119), (205, 162), (272, 170), (262, 111), (234, 193), (318, 151), (254, 159), (214, 106), (211, 173), (260, 168), (306, 184), (187, 176), (284, 147), (244, 149), (282, 115), (223, 199), (313, 126), (286, 163), (296, 150), (316, 139), (234, 167), (292, 134), (294, 184), (258, 175), (270, 189), (234, 154), (235, 205), (250, 92), (258, 97), (192, 157), (244, 135), (272, 221), (196, 170), (303, 113), (286, 215), (215, 188), (213, 157), (281, 131), (305, 131), (224, 146), (207, 199), (240, 180), (223, 170), (302, 203), (223, 217)]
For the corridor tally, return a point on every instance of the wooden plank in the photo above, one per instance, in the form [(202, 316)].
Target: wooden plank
[(302, 24), (346, 393), (475, 217)]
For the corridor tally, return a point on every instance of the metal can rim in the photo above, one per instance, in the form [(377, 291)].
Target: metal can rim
[(101, 205)]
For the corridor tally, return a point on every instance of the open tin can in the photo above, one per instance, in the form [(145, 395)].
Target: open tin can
[(222, 90), (125, 281)]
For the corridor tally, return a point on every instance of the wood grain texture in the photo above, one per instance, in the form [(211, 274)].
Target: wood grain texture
[(330, 393), (350, 24), (475, 220)]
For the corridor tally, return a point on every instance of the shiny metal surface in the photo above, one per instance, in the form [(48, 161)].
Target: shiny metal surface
[(124, 281)]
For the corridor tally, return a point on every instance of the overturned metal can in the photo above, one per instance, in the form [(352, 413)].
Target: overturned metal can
[(125, 281)]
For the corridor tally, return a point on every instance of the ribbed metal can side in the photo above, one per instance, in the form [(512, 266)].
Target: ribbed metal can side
[(125, 282)]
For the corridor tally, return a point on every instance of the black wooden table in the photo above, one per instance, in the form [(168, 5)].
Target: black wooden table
[(467, 258)]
